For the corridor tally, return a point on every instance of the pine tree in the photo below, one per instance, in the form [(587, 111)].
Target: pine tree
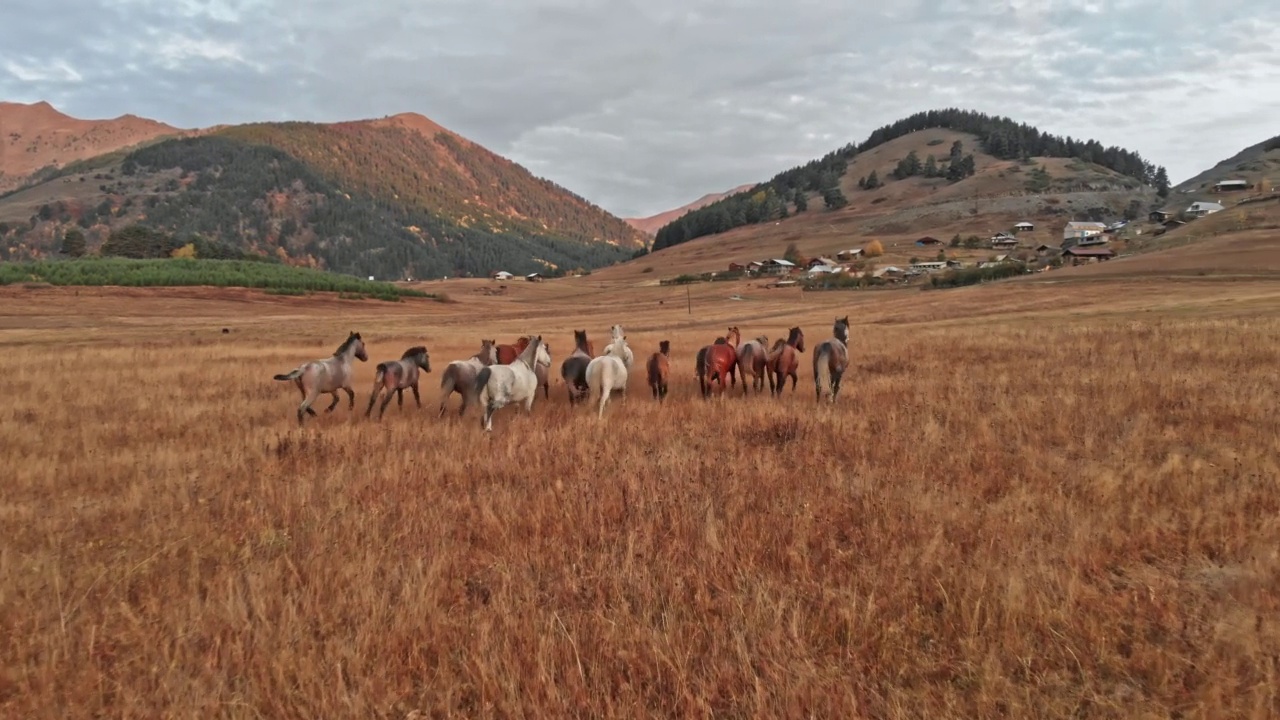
[(1162, 182), (73, 244)]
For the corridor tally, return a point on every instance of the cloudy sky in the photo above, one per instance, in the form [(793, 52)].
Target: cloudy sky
[(642, 106)]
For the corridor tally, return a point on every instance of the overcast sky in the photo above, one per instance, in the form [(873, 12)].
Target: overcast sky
[(643, 106)]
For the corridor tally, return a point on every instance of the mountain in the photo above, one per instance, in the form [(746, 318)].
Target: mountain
[(649, 225), (1252, 164), (943, 169), (398, 196), (36, 136)]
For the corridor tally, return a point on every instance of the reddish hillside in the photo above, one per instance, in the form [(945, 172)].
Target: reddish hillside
[(37, 135), (649, 225)]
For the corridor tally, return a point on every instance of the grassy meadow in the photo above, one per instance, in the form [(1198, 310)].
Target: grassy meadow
[(1031, 500)]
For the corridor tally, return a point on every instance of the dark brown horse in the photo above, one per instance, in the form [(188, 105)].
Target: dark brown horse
[(394, 376), (784, 361), (721, 361), (507, 354), (659, 367), (574, 367), (830, 358)]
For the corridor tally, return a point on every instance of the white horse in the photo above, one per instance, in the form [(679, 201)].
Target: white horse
[(517, 381), (610, 371)]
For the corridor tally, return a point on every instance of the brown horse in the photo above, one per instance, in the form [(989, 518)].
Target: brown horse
[(460, 376), (830, 358), (574, 368), (753, 357), (659, 367), (721, 360), (395, 375), (507, 354), (784, 361)]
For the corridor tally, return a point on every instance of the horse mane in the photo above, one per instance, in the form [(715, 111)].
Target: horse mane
[(415, 350), (531, 349), (720, 341), (346, 344), (777, 345)]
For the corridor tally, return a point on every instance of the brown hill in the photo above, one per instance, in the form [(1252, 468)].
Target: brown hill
[(37, 136), (1000, 194), (649, 225), (399, 196), (1254, 164)]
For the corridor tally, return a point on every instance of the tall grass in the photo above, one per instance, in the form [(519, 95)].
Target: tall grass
[(1074, 518), (187, 271)]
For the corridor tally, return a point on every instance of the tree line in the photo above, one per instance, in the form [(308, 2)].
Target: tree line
[(997, 136)]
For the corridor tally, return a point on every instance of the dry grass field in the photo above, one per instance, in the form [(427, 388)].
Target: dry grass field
[(1031, 500)]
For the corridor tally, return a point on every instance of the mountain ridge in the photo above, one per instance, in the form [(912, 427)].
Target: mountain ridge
[(650, 224)]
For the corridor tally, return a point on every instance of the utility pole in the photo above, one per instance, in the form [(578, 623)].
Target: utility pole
[(688, 299)]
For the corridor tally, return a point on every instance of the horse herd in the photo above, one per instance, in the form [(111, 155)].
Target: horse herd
[(502, 375)]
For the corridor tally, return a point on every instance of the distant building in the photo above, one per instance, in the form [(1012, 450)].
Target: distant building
[(1231, 185), (1079, 254), (1159, 216), (1024, 226), (501, 275), (1079, 230), (850, 254), (1201, 208), (533, 277), (927, 240)]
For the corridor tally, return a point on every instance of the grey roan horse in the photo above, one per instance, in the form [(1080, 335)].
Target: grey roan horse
[(396, 375), (460, 376), (830, 359), (327, 376)]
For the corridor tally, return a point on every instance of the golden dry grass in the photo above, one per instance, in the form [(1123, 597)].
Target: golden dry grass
[(1029, 501)]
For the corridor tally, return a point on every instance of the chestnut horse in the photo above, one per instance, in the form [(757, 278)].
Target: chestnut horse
[(784, 361), (722, 360), (507, 354), (394, 376), (574, 367), (659, 367), (830, 359)]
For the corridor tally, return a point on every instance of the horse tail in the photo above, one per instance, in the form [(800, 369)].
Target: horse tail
[(292, 375), (482, 383), (822, 368)]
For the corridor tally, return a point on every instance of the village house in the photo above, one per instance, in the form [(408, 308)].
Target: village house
[(533, 277), (1079, 255), (737, 267), (1079, 230), (1043, 249), (889, 273), (1159, 216), (927, 241), (501, 275), (1092, 241), (1024, 226), (1231, 185), (775, 266), (849, 255), (815, 262), (1003, 241), (1201, 208), (934, 266)]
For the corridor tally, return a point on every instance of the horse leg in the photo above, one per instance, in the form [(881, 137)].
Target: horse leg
[(373, 397), (795, 378), (385, 402), (835, 384), (351, 398), (604, 400), (416, 399), (486, 422), (333, 404), (400, 397), (302, 391), (305, 407)]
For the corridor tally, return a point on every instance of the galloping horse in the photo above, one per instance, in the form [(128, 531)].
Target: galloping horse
[(700, 366), (659, 368), (610, 371), (503, 384), (327, 376), (507, 354), (396, 375), (784, 361), (574, 368), (830, 359), (460, 376), (722, 360), (753, 357)]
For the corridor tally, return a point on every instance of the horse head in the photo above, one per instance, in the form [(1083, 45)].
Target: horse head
[(354, 344), (488, 352), (541, 354), (841, 329), (797, 338), (580, 342), (420, 357), (736, 335), (616, 332), (664, 347)]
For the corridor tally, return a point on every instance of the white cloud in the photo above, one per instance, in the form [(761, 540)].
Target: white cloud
[(642, 107)]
